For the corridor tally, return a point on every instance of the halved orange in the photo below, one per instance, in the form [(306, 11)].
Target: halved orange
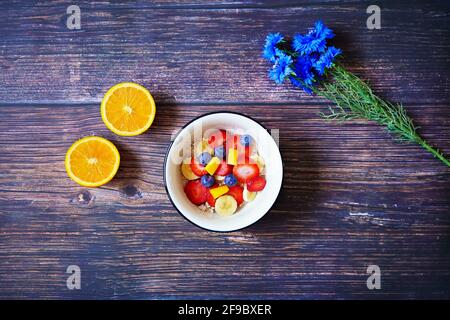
[(128, 109), (92, 161)]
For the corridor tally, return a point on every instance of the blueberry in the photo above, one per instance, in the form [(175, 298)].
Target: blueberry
[(230, 180), (219, 152), (204, 158), (246, 140), (207, 180)]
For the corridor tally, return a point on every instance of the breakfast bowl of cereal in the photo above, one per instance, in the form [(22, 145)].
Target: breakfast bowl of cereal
[(223, 171)]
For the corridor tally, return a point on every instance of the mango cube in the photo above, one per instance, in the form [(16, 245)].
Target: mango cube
[(232, 156), (212, 165), (219, 191)]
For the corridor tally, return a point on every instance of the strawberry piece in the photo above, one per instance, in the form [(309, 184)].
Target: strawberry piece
[(237, 192), (197, 168), (244, 152), (210, 199), (217, 138), (245, 172), (196, 192), (247, 151), (223, 169), (256, 184)]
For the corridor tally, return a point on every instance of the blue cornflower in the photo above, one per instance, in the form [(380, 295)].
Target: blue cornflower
[(281, 69), (321, 31), (314, 41), (307, 44), (303, 69), (326, 59), (271, 51)]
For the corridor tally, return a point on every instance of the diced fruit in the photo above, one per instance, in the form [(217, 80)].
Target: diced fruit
[(219, 152), (219, 178), (226, 205), (196, 192), (245, 172), (248, 195), (203, 146), (219, 191), (224, 169), (246, 140), (244, 155), (259, 161), (230, 180), (256, 184), (197, 168), (187, 171), (207, 180), (232, 156), (248, 151), (244, 160), (230, 160), (204, 158), (237, 193), (233, 141), (212, 166), (210, 199), (217, 138)]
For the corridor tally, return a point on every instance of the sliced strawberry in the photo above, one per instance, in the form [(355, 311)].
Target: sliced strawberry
[(197, 168), (196, 192), (237, 193), (256, 184), (223, 169), (210, 199), (217, 138), (245, 172)]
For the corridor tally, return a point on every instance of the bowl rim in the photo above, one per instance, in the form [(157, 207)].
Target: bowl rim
[(169, 147)]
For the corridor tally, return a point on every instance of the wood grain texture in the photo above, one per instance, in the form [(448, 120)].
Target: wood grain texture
[(351, 195), (211, 53)]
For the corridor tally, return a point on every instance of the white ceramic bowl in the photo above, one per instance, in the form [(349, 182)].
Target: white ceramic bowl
[(251, 211)]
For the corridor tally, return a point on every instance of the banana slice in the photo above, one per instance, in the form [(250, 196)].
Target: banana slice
[(203, 146), (259, 162), (248, 195), (219, 178), (226, 205), (187, 171)]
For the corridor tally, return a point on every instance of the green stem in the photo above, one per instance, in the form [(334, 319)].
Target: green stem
[(289, 52), (353, 98), (432, 150)]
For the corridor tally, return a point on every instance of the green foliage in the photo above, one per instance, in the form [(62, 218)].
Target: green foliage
[(353, 99)]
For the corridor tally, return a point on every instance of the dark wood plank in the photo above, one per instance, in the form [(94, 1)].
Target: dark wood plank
[(177, 4), (351, 197), (211, 52)]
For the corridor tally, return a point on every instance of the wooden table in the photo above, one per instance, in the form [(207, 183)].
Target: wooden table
[(352, 196)]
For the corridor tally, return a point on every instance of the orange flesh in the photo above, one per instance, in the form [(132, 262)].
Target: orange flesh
[(127, 109), (92, 161)]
